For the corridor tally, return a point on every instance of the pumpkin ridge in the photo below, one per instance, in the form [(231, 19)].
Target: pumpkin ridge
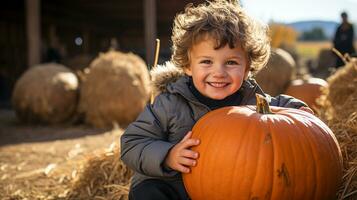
[(263, 120), (252, 129), (288, 167), (260, 159), (207, 145), (235, 166), (273, 141), (315, 139), (303, 154), (215, 170), (215, 140), (310, 153), (200, 162), (317, 174), (299, 154), (283, 162), (241, 155), (328, 135)]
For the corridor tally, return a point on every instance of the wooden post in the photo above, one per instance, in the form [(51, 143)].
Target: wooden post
[(33, 27), (150, 30)]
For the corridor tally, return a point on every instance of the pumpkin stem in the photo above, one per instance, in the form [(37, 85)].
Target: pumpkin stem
[(262, 104)]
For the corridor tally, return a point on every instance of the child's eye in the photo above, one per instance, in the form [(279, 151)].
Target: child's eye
[(232, 62), (205, 62)]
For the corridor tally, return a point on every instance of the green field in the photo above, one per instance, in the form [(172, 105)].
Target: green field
[(310, 50)]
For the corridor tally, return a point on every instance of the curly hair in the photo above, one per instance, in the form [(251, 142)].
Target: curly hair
[(227, 23)]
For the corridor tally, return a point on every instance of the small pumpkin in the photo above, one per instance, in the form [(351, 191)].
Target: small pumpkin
[(308, 90), (257, 152)]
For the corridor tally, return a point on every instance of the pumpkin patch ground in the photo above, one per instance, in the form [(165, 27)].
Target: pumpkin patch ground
[(49, 162)]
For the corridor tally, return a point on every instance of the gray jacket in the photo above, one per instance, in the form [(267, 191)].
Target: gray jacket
[(146, 142)]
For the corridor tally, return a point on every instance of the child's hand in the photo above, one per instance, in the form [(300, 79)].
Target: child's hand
[(307, 109), (180, 157)]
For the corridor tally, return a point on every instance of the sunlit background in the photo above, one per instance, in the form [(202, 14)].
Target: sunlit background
[(287, 11), (303, 15)]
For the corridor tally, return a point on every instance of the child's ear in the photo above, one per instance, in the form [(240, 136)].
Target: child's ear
[(188, 71)]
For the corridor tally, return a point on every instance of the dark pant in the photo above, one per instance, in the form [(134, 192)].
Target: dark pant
[(155, 189)]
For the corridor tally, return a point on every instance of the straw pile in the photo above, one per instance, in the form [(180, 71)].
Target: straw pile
[(46, 93), (115, 89), (339, 110), (102, 176), (276, 76)]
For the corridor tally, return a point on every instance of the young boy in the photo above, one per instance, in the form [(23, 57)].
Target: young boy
[(216, 47)]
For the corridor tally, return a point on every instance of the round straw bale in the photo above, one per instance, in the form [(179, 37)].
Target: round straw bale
[(300, 66), (115, 89), (276, 76), (292, 50), (102, 176), (47, 93), (339, 110)]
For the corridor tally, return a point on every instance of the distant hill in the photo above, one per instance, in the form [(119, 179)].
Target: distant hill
[(329, 27)]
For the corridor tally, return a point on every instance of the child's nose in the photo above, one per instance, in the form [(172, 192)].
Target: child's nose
[(219, 71)]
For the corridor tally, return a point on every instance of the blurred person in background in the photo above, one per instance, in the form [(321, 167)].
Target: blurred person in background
[(344, 38)]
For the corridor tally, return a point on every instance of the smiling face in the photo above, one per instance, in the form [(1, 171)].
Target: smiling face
[(217, 73)]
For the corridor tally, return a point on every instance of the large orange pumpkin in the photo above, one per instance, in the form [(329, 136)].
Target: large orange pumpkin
[(282, 154), (307, 90)]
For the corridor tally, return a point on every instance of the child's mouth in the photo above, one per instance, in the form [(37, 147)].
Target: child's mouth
[(217, 84)]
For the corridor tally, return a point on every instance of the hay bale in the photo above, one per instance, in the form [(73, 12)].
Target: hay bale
[(47, 93), (342, 92), (292, 50), (339, 110), (102, 176), (276, 76), (326, 63), (115, 89)]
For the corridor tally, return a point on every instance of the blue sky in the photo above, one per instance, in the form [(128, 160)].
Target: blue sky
[(296, 10)]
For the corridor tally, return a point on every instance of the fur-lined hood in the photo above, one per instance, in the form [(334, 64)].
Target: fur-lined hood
[(162, 75)]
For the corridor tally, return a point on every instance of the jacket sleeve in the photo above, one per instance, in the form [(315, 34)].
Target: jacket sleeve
[(287, 101), (144, 143)]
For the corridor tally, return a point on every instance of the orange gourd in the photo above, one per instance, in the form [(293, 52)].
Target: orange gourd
[(252, 152), (307, 90)]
